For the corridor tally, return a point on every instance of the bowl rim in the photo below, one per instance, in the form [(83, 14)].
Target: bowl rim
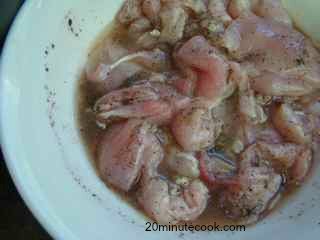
[(42, 214)]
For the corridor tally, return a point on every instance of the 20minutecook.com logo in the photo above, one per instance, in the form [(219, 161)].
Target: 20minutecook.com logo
[(215, 227)]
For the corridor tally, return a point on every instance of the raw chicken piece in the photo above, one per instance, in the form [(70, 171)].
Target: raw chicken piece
[(290, 157), (249, 133), (130, 11), (302, 166), (257, 189), (173, 21), (218, 9), (212, 69), (158, 112), (186, 84), (216, 169), (237, 8), (149, 39), (272, 9), (153, 101), (186, 81), (249, 109), (194, 128), (269, 9), (151, 9), (283, 84), (197, 6), (312, 109), (155, 60), (286, 64), (97, 68), (132, 95), (183, 163), (113, 75), (282, 154), (250, 35), (293, 126), (168, 202), (227, 113), (258, 184), (139, 27), (121, 153)]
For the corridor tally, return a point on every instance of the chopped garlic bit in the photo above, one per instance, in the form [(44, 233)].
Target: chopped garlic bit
[(182, 181)]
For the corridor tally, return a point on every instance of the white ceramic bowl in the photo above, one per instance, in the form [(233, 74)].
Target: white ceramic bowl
[(43, 148)]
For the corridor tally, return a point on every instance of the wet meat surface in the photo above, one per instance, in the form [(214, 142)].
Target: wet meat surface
[(197, 104)]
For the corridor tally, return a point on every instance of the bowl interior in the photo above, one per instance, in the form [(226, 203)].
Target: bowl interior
[(41, 65)]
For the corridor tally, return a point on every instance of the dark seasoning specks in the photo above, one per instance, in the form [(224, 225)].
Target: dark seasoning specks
[(72, 24), (50, 99), (47, 51)]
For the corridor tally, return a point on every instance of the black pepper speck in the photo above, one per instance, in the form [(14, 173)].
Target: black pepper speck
[(70, 22)]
